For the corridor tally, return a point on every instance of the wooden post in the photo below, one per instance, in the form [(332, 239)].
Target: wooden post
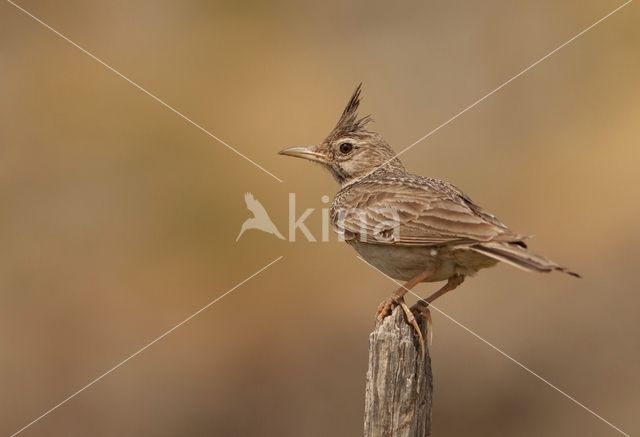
[(399, 381)]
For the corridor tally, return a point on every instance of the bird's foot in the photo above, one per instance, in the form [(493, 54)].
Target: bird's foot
[(388, 305), (413, 321), (421, 311)]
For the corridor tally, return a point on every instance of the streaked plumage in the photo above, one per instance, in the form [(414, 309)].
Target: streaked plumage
[(406, 225), (431, 216)]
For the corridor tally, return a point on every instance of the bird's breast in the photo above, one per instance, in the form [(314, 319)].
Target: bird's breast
[(406, 262)]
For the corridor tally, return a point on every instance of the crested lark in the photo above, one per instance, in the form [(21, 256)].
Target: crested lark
[(412, 228)]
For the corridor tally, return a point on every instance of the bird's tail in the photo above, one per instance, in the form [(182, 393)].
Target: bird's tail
[(518, 256)]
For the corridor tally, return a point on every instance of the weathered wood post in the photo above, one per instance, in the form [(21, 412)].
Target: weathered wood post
[(399, 381)]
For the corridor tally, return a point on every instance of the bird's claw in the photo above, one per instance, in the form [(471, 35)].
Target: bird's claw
[(388, 305), (413, 321), (421, 310)]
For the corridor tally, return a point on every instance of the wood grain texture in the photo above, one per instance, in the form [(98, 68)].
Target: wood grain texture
[(399, 383)]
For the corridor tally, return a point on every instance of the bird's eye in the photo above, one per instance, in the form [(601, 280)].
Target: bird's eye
[(346, 148)]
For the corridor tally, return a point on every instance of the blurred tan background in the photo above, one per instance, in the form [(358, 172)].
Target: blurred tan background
[(119, 218)]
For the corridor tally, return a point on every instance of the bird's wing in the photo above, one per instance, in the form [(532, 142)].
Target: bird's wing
[(418, 211)]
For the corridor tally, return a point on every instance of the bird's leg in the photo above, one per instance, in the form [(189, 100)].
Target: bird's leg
[(397, 298), (422, 306)]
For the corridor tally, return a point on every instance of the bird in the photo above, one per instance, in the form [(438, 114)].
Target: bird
[(260, 219), (410, 227)]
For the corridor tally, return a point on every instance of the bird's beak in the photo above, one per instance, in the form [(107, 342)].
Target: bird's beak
[(308, 152)]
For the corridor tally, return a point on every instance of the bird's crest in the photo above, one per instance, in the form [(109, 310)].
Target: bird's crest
[(349, 122)]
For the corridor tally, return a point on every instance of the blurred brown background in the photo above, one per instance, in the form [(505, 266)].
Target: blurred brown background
[(119, 218)]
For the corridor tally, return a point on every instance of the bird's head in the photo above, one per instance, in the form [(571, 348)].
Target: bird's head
[(350, 151)]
